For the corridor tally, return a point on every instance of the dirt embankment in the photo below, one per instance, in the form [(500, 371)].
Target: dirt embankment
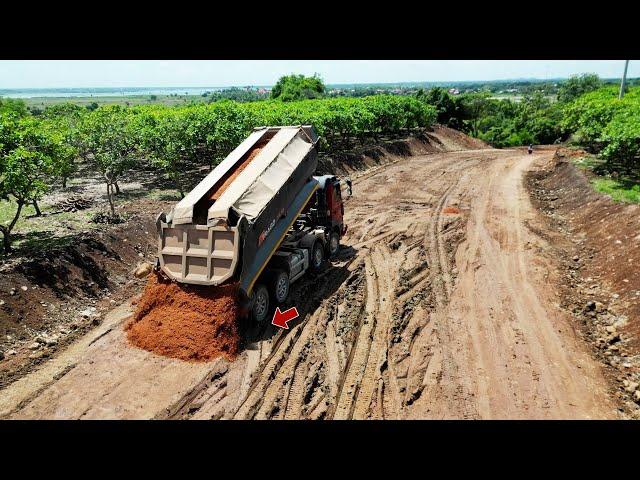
[(50, 297), (599, 240), (438, 139)]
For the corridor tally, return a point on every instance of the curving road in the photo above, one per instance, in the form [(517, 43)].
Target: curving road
[(441, 304)]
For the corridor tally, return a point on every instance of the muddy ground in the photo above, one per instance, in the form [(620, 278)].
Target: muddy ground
[(444, 302), (67, 272)]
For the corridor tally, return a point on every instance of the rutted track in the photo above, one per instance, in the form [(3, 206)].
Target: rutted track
[(439, 305)]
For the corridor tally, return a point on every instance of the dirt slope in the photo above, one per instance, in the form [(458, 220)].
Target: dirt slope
[(441, 304), (600, 242)]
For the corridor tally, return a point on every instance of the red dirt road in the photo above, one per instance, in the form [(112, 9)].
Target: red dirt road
[(441, 304)]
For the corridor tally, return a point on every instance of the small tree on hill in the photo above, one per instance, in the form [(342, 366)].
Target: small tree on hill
[(108, 137), (578, 85), (298, 87)]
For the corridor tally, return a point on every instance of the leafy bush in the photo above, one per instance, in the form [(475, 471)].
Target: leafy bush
[(621, 138), (578, 85), (30, 156), (607, 125), (298, 87)]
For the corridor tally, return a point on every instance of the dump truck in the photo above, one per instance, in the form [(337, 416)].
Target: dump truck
[(260, 218)]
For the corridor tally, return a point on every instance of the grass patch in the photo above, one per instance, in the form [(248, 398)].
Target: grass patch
[(161, 194), (619, 190), (33, 233), (623, 189), (589, 162), (8, 211)]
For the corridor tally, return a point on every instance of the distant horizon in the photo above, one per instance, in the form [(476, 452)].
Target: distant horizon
[(87, 89)]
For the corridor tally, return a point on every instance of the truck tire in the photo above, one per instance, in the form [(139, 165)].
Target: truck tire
[(260, 308), (279, 286), (333, 245), (317, 256)]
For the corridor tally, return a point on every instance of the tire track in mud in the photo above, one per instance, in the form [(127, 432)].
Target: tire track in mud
[(372, 382), (437, 371), (247, 402), (359, 356), (371, 387), (422, 342)]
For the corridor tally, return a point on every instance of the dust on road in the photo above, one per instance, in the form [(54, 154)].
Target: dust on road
[(441, 304)]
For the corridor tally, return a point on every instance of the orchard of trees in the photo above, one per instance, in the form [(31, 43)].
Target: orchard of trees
[(40, 153)]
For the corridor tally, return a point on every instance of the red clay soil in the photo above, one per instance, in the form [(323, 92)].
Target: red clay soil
[(452, 210), (217, 191), (612, 237), (187, 322)]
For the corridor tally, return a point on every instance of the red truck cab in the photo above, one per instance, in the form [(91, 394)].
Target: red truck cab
[(330, 210)]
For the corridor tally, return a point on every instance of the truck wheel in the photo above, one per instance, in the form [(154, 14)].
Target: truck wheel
[(317, 256), (260, 303), (334, 244), (280, 286)]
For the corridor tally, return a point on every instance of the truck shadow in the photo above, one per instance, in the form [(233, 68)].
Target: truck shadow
[(306, 295)]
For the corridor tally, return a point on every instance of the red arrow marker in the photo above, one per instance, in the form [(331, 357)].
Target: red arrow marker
[(280, 319)]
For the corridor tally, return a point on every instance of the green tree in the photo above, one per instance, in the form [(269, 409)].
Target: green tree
[(474, 107), (578, 85), (16, 106), (29, 157), (449, 110), (110, 141), (66, 120), (298, 87)]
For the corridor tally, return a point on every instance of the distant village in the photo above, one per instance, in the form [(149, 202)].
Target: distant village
[(502, 88)]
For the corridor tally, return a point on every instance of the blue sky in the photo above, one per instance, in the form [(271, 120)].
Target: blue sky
[(221, 73)]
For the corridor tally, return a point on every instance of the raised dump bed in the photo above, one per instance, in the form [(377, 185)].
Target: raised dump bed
[(232, 222)]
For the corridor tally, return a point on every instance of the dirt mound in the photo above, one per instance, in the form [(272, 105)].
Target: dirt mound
[(186, 322), (439, 139), (71, 281), (452, 140), (601, 250), (607, 232)]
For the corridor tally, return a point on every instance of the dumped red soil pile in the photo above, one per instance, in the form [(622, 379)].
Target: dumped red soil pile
[(187, 322), (452, 210)]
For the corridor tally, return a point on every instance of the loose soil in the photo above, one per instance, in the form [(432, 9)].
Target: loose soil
[(217, 191), (451, 210), (187, 322), (599, 242), (69, 286)]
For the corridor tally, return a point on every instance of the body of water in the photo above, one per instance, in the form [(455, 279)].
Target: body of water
[(104, 92)]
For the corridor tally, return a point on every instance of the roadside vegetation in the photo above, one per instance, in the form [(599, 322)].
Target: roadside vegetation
[(588, 113)]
